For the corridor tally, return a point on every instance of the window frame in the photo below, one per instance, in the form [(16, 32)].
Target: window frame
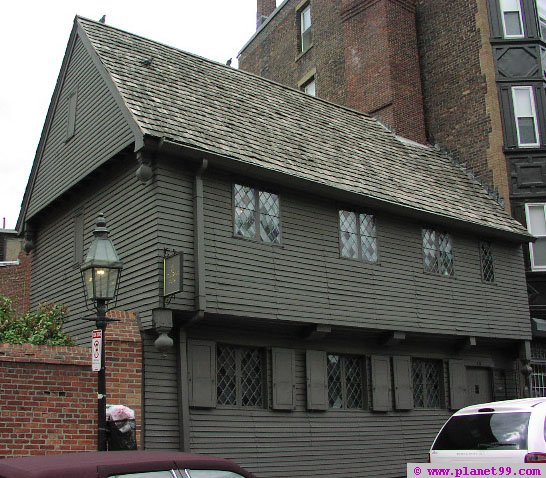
[(482, 258), (239, 377), (257, 214), (534, 268), (503, 7), (305, 86), (343, 379), (532, 98), (438, 252), (358, 215), (541, 20), (441, 391), (305, 41)]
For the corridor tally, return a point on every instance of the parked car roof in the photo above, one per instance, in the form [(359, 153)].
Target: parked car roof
[(104, 464), (518, 405)]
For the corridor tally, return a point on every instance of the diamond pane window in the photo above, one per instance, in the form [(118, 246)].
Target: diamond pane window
[(357, 235), (345, 382), (437, 252), (486, 259), (427, 383), (239, 376), (245, 212), (256, 215), (270, 224)]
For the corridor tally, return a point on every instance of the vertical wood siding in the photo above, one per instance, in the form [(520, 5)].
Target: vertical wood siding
[(100, 132), (305, 279)]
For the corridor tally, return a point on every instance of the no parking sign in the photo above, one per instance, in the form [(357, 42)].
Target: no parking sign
[(96, 349)]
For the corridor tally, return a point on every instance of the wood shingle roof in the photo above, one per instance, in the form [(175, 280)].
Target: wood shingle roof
[(217, 109)]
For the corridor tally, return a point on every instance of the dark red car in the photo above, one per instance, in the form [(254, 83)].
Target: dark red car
[(123, 464)]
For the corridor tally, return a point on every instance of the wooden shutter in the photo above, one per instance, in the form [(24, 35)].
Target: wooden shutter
[(381, 383), (457, 384), (202, 373), (317, 380), (403, 388), (284, 393)]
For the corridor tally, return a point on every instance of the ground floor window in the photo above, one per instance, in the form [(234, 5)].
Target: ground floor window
[(345, 381), (538, 364), (240, 376), (427, 383)]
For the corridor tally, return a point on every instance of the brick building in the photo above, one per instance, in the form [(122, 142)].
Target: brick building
[(467, 75)]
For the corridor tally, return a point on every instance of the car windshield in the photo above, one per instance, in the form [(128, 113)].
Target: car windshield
[(486, 431)]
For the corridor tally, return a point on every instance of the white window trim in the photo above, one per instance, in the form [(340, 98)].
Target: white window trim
[(533, 111), (527, 218), (302, 30), (503, 10)]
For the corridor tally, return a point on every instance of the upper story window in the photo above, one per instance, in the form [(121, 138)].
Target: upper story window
[(306, 33), (525, 116), (541, 10), (437, 252), (257, 214), (309, 88), (345, 381), (357, 236), (512, 21), (536, 225), (240, 376), (427, 383), (486, 260)]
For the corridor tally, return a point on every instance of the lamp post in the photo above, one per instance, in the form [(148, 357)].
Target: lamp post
[(101, 272)]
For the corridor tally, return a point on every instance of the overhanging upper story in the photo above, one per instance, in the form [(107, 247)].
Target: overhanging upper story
[(140, 103)]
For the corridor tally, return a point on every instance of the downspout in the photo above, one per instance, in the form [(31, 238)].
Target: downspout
[(199, 244)]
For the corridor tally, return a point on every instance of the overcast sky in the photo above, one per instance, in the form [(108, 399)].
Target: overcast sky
[(34, 35)]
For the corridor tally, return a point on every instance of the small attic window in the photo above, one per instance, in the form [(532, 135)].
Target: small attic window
[(71, 115)]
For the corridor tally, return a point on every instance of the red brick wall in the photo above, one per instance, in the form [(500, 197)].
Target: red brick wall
[(453, 82), (364, 52), (48, 395), (264, 8), (15, 283)]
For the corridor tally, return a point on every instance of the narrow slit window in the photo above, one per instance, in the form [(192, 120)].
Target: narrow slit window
[(486, 260), (71, 116)]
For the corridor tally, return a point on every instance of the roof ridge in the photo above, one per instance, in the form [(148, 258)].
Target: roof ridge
[(230, 68)]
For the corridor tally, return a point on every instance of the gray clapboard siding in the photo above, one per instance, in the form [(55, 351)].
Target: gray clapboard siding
[(131, 217), (304, 279), (100, 132), (161, 426)]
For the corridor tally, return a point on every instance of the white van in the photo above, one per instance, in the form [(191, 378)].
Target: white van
[(512, 431)]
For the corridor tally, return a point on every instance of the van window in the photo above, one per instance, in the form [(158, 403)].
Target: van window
[(486, 431)]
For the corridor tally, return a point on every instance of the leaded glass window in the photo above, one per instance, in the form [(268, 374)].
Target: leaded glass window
[(358, 236), (240, 375), (345, 381), (437, 252), (486, 259), (427, 383), (257, 214)]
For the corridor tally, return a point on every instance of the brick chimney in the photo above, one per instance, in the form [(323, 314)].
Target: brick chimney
[(263, 10), (382, 63)]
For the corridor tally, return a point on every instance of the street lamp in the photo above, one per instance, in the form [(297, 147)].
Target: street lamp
[(101, 272)]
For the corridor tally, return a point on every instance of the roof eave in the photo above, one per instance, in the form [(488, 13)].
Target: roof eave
[(343, 196)]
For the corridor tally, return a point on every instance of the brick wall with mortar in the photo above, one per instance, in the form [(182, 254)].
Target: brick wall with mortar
[(15, 282), (275, 54), (461, 103), (48, 395), (364, 52)]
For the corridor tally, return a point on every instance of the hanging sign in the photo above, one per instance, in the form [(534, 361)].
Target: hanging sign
[(172, 274), (96, 350)]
